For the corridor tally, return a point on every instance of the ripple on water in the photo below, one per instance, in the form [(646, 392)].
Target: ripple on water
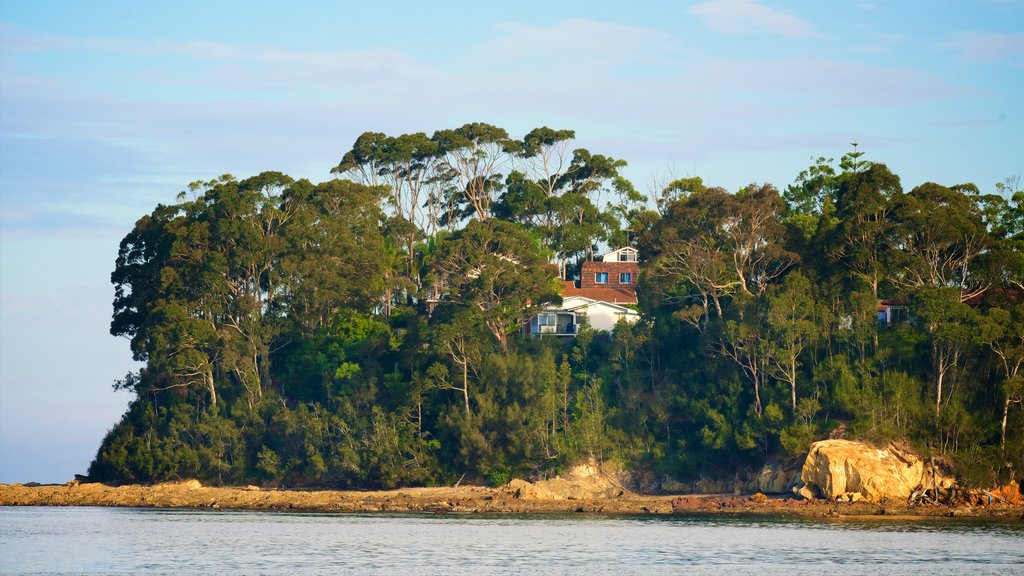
[(124, 541)]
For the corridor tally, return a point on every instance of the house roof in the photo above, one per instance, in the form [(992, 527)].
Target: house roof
[(613, 295), (623, 249), (576, 302)]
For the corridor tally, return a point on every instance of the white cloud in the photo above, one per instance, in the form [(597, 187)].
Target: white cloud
[(577, 39), (750, 16), (989, 46)]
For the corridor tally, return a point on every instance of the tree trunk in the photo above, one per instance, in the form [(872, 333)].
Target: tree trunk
[(1006, 412), (465, 386), (792, 382), (213, 394)]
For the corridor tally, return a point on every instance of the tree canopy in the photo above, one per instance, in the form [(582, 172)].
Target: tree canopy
[(367, 330)]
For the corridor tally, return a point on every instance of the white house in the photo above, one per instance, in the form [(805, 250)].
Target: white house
[(566, 319), (605, 294)]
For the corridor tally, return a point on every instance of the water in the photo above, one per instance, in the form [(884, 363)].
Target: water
[(131, 541)]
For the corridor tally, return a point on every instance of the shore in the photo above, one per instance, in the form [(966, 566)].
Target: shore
[(466, 499)]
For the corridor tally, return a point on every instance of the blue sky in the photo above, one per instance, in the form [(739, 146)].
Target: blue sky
[(107, 108)]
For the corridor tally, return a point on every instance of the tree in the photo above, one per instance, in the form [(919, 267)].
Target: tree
[(408, 166), (560, 196), (1003, 332), (459, 340), (860, 241), (475, 154), (940, 235), (951, 327), (495, 269), (713, 244), (812, 197), (791, 327)]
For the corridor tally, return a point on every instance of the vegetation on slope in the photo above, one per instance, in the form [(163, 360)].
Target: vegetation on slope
[(366, 331)]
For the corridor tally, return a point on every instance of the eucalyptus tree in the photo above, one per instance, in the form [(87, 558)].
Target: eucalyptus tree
[(476, 156), (1004, 216), (496, 270), (409, 166), (951, 326), (712, 245), (861, 239), (939, 237), (168, 295), (690, 257), (457, 336), (338, 257), (1002, 331), (791, 327), (558, 194)]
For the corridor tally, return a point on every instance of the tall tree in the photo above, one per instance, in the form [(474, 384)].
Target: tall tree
[(1002, 331), (861, 240), (812, 197), (476, 156), (951, 326), (940, 234), (495, 269), (791, 328)]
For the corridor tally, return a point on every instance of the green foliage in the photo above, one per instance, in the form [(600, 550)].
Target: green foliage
[(368, 333)]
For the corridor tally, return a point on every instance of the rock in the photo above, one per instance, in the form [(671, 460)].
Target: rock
[(759, 498), (805, 492), (672, 486), (1009, 494), (529, 491), (709, 486), (776, 478), (837, 467)]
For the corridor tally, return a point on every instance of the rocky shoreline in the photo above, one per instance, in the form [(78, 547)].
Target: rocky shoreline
[(518, 497)]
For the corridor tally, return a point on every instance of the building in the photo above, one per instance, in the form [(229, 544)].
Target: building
[(890, 312), (605, 294)]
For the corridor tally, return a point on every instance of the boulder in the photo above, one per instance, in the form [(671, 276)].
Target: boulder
[(776, 478), (805, 492), (529, 491), (1009, 494), (841, 467)]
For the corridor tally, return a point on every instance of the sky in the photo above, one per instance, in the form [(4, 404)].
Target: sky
[(109, 108)]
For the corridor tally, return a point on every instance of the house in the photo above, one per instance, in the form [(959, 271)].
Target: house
[(565, 320), (605, 293), (890, 312)]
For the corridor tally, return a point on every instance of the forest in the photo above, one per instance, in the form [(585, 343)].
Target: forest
[(367, 331)]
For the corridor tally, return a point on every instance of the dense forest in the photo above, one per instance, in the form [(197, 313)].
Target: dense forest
[(367, 331)]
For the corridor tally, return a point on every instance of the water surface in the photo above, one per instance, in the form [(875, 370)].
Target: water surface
[(39, 540)]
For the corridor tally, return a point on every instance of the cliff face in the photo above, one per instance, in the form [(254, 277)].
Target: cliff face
[(846, 470)]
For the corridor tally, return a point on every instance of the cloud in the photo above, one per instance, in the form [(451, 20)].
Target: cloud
[(577, 40), (750, 16), (989, 46)]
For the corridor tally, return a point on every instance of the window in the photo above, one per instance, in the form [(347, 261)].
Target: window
[(547, 319), (625, 278), (601, 278), (627, 256)]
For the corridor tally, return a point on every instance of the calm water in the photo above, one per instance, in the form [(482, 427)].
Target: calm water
[(131, 541)]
